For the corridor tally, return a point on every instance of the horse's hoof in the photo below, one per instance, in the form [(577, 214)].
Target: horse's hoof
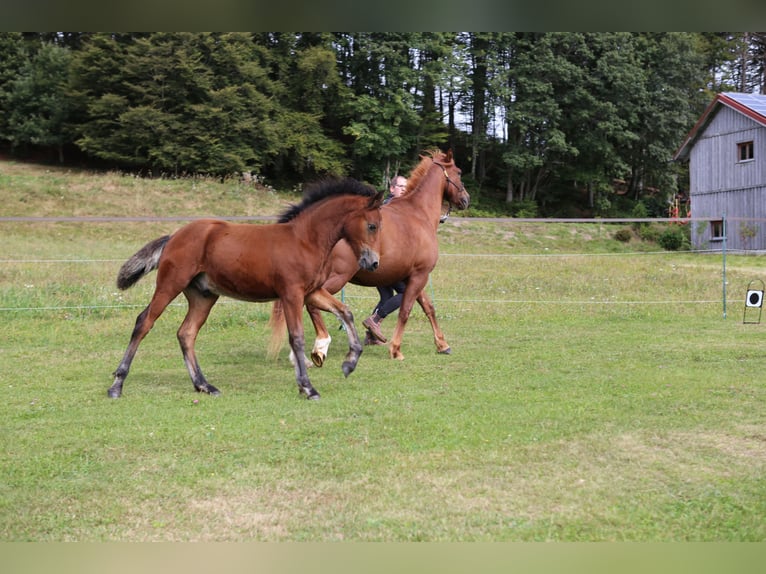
[(317, 359), (311, 394), (447, 351), (113, 394), (348, 368)]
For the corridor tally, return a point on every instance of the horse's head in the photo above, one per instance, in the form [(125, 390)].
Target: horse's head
[(454, 190), (362, 232), (353, 208)]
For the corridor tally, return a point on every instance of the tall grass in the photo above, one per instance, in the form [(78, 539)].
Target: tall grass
[(590, 396)]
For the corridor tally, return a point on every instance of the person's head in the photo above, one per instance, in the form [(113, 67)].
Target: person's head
[(398, 186)]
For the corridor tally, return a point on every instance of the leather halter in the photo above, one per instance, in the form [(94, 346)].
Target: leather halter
[(446, 176), (444, 217)]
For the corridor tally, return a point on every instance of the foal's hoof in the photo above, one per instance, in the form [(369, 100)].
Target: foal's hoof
[(348, 368), (311, 394), (447, 351), (318, 359), (112, 394)]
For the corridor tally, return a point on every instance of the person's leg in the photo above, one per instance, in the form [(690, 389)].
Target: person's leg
[(391, 305), (372, 323)]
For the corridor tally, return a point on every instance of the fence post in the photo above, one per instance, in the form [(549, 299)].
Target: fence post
[(723, 273)]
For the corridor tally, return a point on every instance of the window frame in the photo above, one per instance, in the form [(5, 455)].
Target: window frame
[(745, 151), (717, 230)]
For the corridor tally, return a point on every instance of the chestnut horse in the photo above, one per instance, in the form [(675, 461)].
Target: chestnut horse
[(409, 250), (287, 260)]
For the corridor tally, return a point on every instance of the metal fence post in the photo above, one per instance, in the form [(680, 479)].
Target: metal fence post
[(723, 273)]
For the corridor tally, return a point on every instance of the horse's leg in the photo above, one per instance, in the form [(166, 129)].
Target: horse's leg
[(322, 299), (342, 270), (144, 322), (293, 308), (415, 285), (200, 305), (428, 308), (323, 339)]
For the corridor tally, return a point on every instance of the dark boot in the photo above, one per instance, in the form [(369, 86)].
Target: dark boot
[(373, 325), (369, 339)]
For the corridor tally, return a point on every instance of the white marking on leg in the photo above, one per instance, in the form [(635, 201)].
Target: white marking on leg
[(306, 360), (321, 346)]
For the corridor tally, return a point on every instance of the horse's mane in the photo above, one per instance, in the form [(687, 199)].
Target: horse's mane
[(427, 158), (322, 189)]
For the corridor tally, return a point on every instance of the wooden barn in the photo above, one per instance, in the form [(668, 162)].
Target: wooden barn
[(726, 151)]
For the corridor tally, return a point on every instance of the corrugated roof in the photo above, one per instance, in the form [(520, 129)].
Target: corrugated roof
[(751, 105)]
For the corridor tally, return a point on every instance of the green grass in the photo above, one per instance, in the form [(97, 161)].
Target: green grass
[(589, 397)]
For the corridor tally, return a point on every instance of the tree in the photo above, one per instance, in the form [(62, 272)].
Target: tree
[(307, 122), (669, 105), (530, 79), (380, 119), (436, 64), (600, 110), (539, 117), (478, 50), (13, 56), (38, 102), (175, 102), (592, 108)]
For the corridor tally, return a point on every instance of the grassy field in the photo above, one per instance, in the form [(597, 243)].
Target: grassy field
[(595, 391)]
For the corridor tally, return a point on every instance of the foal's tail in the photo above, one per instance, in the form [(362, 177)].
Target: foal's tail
[(278, 328), (142, 263)]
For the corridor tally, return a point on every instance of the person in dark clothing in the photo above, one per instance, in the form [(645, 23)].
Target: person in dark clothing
[(390, 295), (390, 301)]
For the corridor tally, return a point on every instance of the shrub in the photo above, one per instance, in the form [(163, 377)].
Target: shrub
[(672, 239), (526, 209), (649, 232), (624, 234)]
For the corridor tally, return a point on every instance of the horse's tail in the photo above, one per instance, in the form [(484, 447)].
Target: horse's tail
[(142, 263), (278, 328)]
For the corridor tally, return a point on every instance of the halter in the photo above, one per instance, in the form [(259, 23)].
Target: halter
[(446, 175), (444, 217)]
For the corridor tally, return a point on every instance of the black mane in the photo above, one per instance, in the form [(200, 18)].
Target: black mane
[(320, 190)]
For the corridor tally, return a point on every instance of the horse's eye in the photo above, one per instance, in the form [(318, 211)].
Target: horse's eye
[(372, 227)]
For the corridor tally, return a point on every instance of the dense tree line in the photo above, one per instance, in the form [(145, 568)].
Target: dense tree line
[(540, 122)]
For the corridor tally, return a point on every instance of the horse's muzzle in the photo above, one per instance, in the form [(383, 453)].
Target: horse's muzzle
[(369, 260)]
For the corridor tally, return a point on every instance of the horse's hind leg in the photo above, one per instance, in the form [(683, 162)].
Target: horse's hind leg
[(200, 305), (144, 322)]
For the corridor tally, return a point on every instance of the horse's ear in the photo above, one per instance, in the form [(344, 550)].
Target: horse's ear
[(377, 199), (449, 156)]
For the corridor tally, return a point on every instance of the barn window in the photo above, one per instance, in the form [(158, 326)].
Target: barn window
[(716, 229), (744, 151)]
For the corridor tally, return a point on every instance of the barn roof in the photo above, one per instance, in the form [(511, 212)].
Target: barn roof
[(751, 105)]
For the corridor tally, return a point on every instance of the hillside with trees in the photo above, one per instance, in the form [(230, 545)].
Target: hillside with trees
[(549, 124)]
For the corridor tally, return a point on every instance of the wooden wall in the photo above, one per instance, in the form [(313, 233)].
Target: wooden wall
[(721, 185)]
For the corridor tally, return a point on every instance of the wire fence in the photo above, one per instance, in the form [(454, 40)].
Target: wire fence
[(495, 277), (479, 264)]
